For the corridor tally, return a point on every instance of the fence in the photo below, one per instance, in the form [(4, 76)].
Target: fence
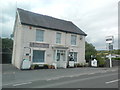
[(114, 63)]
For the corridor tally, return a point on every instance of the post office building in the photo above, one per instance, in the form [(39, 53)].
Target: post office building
[(43, 39)]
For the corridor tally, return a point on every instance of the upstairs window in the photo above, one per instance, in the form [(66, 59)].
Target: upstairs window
[(58, 38), (40, 35), (73, 39)]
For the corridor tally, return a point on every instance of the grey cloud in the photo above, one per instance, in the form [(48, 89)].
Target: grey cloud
[(90, 20)]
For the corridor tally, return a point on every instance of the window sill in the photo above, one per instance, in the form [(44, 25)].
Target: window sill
[(40, 41), (38, 63), (59, 44), (74, 45), (37, 42)]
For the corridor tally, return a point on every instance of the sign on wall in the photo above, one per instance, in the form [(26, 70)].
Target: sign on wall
[(40, 45)]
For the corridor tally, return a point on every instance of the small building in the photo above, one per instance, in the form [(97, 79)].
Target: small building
[(46, 40)]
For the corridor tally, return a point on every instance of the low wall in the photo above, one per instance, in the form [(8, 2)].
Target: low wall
[(114, 63)]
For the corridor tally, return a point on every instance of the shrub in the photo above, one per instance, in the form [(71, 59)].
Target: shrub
[(46, 66), (52, 67), (77, 65), (34, 66), (101, 61), (49, 66), (117, 58), (86, 65), (82, 64)]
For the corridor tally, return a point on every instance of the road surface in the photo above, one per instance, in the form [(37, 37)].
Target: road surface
[(62, 78)]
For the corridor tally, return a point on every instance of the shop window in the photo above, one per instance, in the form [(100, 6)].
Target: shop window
[(38, 56)]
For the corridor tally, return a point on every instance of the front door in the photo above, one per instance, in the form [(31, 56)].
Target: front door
[(61, 58)]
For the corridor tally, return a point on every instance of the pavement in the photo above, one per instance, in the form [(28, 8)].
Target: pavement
[(60, 78)]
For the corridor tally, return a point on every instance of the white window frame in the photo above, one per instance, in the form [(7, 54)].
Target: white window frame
[(72, 40), (44, 56), (58, 39), (42, 40), (73, 54)]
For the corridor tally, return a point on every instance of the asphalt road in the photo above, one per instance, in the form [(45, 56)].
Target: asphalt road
[(62, 78)]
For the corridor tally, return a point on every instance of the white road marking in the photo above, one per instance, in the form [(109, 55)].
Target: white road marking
[(21, 84), (45, 79), (103, 71), (90, 73), (48, 79), (8, 73), (113, 70), (73, 81), (112, 81), (77, 75), (55, 78)]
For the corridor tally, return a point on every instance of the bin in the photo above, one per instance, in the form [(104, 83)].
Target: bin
[(71, 63), (26, 64)]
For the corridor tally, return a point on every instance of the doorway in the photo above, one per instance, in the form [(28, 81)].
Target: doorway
[(61, 58)]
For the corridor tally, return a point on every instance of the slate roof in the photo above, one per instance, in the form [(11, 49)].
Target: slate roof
[(43, 21)]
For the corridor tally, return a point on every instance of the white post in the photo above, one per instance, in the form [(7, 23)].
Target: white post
[(110, 60), (110, 41), (56, 58)]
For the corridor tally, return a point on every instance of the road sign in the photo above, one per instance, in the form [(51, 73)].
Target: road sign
[(109, 39), (110, 47)]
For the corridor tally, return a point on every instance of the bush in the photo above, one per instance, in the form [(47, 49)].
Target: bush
[(51, 66), (34, 66), (45, 66), (81, 64), (77, 65), (117, 58), (101, 61), (86, 65)]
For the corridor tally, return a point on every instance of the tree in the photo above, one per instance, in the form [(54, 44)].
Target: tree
[(101, 61), (7, 44), (89, 50), (11, 36)]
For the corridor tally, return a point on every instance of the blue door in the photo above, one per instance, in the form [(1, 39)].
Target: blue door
[(38, 56)]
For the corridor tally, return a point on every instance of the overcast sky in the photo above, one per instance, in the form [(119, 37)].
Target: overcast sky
[(97, 18)]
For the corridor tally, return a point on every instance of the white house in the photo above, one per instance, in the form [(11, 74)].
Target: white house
[(46, 40)]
